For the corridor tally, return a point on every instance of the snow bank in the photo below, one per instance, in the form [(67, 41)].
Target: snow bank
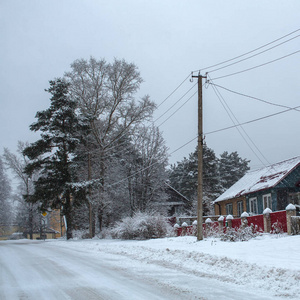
[(268, 264)]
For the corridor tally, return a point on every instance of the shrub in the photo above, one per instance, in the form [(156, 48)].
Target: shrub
[(277, 228), (142, 226), (239, 234)]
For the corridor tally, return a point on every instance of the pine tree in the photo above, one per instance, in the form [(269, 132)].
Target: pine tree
[(54, 153), (231, 168), (184, 177), (218, 175)]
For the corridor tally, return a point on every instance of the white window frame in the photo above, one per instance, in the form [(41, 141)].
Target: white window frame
[(229, 211), (253, 209), (268, 201), (240, 211)]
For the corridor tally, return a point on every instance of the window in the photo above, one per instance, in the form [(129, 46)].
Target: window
[(239, 208), (267, 200), (253, 205), (229, 209)]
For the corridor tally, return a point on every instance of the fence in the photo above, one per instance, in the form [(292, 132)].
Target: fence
[(295, 220), (270, 222)]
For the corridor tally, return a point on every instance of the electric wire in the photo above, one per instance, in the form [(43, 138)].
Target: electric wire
[(252, 121), (255, 98), (151, 165), (174, 90), (111, 147), (226, 61), (207, 133), (258, 66), (177, 109), (234, 63), (235, 120), (174, 103)]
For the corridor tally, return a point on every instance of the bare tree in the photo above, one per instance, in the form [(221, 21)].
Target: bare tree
[(17, 164), (146, 184), (106, 93), (5, 204)]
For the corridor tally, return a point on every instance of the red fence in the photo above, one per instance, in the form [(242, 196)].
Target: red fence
[(278, 218), (257, 221), (278, 223), (236, 223)]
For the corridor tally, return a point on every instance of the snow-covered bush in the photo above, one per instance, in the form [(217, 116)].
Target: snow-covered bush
[(80, 234), (239, 234), (277, 228), (142, 226)]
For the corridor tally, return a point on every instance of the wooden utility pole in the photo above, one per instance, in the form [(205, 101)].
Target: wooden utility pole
[(200, 161)]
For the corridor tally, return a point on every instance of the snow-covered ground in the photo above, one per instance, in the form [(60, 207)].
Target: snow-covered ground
[(267, 267), (269, 264)]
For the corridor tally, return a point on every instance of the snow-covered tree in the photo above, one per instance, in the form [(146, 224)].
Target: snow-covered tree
[(231, 168), (218, 175), (184, 178), (105, 93), (5, 204), (146, 170), (28, 215), (53, 154)]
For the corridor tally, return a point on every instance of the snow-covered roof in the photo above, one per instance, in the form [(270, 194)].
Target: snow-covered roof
[(260, 179)]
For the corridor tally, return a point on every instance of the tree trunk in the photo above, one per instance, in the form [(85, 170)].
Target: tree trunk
[(68, 214), (30, 221), (100, 207), (100, 217)]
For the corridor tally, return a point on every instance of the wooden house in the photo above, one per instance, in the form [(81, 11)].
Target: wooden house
[(274, 186), (175, 203)]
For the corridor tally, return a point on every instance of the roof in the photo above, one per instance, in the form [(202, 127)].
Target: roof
[(260, 179)]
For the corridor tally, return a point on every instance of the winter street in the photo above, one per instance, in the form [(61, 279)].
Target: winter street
[(39, 271), (155, 269)]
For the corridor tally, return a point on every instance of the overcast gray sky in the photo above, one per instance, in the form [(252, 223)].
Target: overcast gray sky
[(166, 39)]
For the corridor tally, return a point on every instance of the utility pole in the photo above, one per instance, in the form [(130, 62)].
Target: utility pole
[(200, 160)]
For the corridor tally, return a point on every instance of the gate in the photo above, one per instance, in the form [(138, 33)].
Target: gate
[(295, 225)]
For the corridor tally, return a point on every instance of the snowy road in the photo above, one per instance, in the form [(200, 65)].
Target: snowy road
[(45, 270), (39, 271)]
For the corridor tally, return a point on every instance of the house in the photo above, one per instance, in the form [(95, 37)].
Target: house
[(176, 203), (274, 186), (52, 225)]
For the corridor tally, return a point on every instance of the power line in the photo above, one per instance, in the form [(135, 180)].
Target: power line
[(227, 109), (252, 121), (230, 127), (269, 62), (111, 147), (253, 55), (226, 61), (174, 90), (151, 165), (126, 132), (175, 103), (244, 95), (211, 132), (178, 109)]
